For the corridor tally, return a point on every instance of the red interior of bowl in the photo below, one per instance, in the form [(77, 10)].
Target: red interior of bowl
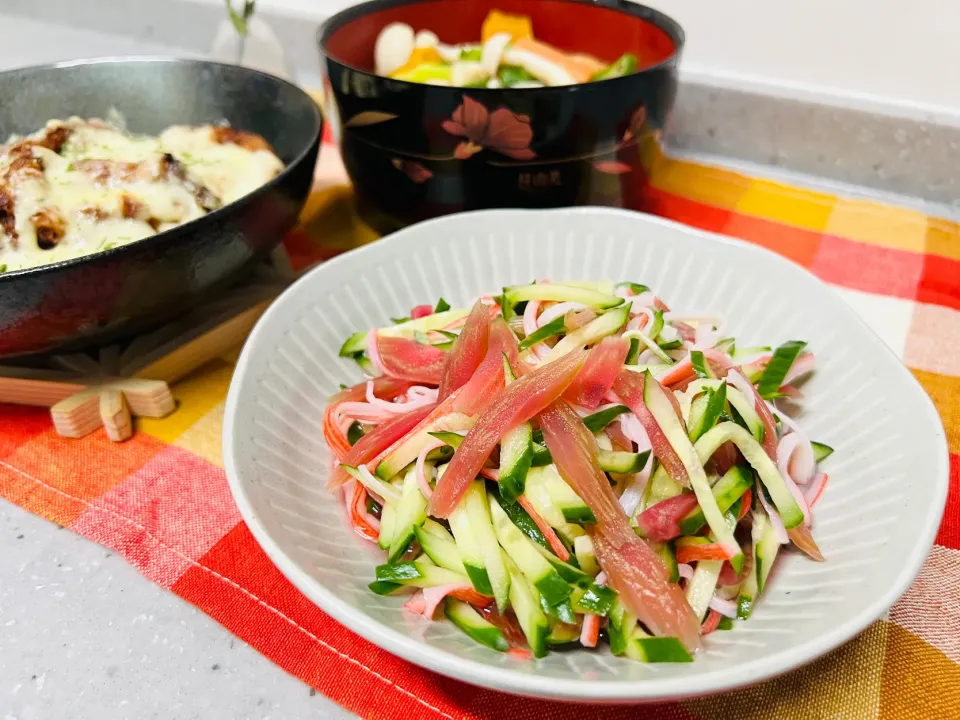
[(575, 27)]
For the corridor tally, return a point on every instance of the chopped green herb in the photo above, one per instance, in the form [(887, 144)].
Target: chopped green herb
[(442, 306)]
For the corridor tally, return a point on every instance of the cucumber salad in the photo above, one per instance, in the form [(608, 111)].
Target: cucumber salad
[(574, 464)]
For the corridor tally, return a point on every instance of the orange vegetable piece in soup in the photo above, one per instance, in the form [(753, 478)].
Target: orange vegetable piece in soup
[(519, 27), (420, 56)]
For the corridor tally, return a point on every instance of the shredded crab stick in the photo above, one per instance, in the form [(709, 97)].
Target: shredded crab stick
[(467, 352), (517, 403), (566, 473), (333, 430), (631, 566), (373, 443)]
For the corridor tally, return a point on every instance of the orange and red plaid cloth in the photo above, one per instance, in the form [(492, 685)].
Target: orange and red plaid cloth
[(161, 499)]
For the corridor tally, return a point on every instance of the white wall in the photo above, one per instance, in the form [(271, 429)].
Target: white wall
[(895, 56)]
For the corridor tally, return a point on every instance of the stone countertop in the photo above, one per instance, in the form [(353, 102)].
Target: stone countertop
[(82, 634)]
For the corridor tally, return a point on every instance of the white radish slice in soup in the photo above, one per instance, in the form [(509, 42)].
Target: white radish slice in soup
[(493, 52), (426, 39), (465, 73), (393, 48)]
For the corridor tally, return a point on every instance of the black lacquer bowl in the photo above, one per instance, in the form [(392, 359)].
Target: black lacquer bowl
[(101, 297), (416, 151)]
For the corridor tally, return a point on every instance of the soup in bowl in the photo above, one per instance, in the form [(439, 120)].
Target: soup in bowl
[(449, 105)]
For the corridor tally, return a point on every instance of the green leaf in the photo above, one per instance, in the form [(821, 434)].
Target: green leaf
[(442, 306), (239, 20)]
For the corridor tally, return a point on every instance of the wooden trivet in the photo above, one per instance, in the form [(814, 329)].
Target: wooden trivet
[(106, 387)]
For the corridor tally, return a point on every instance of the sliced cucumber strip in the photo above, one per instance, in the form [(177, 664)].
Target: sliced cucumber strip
[(408, 451), (519, 517), (411, 513), (600, 419), (821, 452), (552, 328), (583, 549), (478, 512), (767, 547), (541, 456), (450, 438), (469, 549), (516, 453), (443, 552), (620, 627), (573, 508), (418, 574), (654, 397), (666, 554), (650, 343), (593, 332), (778, 367), (526, 606), (536, 568), (597, 599), (379, 488), (563, 611), (559, 292), (563, 634), (702, 586), (573, 575), (473, 624), (754, 454), (700, 366), (661, 487), (727, 490), (385, 538), (624, 463), (650, 649), (357, 342), (708, 414)]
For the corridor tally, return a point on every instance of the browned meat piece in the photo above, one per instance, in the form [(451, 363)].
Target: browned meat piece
[(55, 138), (102, 171), (51, 227), (247, 140), (23, 164), (94, 214), (154, 223), (171, 167), (7, 218), (130, 206)]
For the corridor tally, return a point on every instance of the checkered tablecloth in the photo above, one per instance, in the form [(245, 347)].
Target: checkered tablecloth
[(161, 499)]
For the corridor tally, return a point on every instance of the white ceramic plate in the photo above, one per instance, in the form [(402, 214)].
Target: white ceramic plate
[(875, 523)]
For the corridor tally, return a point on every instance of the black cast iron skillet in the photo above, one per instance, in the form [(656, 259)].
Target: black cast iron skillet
[(99, 298)]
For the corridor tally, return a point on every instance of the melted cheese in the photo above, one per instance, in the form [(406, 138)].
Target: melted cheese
[(90, 196)]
